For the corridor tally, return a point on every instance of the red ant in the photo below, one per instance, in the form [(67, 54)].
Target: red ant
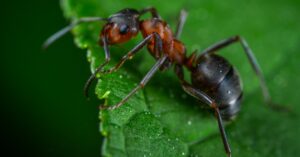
[(214, 80)]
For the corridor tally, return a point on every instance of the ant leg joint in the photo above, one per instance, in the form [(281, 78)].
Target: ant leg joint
[(142, 85), (107, 59), (213, 105)]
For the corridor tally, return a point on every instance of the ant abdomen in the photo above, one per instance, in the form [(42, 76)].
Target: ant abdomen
[(215, 76)]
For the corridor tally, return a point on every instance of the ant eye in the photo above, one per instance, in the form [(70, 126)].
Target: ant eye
[(123, 29)]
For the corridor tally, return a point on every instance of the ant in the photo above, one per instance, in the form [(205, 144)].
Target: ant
[(213, 79)]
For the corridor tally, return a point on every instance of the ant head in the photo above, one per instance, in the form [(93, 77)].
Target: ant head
[(121, 26)]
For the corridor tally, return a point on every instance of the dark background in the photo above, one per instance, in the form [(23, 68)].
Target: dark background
[(45, 112)]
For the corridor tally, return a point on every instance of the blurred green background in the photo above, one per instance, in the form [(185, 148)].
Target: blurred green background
[(44, 110)]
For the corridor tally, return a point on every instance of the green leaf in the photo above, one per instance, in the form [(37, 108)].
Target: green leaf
[(162, 120)]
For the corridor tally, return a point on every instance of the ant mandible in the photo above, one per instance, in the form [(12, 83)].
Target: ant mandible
[(214, 80)]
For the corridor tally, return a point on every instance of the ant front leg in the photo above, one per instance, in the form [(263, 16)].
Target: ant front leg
[(141, 85), (100, 67), (137, 48), (148, 76), (200, 95), (68, 28), (129, 55), (255, 66)]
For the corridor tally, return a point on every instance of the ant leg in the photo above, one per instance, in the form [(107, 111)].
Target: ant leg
[(93, 76), (141, 85), (179, 72), (63, 31), (129, 55), (181, 21), (136, 49), (152, 10), (255, 66), (148, 76), (208, 100)]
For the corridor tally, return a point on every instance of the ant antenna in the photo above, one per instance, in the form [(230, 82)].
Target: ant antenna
[(66, 29)]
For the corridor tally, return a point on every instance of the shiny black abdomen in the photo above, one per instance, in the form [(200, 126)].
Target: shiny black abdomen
[(215, 76)]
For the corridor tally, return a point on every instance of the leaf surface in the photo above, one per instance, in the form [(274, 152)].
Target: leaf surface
[(162, 120)]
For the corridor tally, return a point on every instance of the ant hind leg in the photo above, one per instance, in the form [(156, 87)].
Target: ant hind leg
[(200, 95), (254, 64)]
